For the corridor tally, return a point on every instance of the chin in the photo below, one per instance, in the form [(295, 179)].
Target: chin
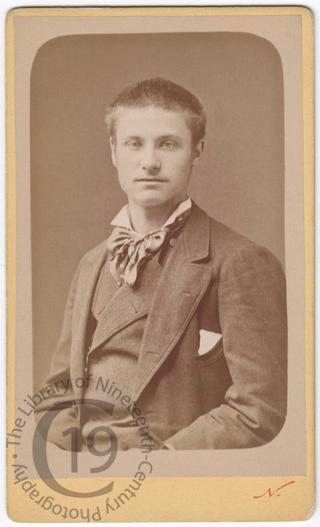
[(151, 201)]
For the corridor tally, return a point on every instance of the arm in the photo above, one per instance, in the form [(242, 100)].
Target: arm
[(58, 382), (252, 312)]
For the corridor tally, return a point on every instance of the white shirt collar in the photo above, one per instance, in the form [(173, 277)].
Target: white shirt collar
[(122, 219)]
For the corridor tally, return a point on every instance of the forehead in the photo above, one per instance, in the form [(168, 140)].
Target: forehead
[(151, 121)]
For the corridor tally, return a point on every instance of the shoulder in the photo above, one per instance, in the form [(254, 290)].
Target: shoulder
[(94, 255), (225, 240), (231, 249)]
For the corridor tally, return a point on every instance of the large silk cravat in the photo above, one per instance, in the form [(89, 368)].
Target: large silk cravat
[(129, 249)]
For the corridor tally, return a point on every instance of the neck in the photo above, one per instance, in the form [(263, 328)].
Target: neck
[(149, 219)]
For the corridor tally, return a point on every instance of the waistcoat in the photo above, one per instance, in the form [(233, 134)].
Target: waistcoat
[(112, 360)]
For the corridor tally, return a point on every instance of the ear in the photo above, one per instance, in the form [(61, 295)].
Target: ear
[(112, 145), (198, 149)]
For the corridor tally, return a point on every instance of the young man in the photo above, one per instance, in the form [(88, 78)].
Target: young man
[(183, 316)]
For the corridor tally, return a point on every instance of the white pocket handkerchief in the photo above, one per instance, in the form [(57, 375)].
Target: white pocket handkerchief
[(208, 339)]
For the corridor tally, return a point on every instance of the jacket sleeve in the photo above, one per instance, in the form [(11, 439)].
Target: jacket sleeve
[(57, 386), (252, 313)]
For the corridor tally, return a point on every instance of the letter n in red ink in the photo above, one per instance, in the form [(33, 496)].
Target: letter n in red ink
[(269, 493)]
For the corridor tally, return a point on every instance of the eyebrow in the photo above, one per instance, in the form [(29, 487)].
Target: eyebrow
[(160, 138), (169, 136)]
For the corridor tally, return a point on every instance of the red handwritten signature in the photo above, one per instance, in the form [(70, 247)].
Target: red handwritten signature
[(269, 493)]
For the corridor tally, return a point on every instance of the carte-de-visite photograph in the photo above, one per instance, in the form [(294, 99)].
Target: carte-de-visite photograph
[(164, 232)]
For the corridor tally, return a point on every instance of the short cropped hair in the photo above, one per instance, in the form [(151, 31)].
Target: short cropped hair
[(161, 93)]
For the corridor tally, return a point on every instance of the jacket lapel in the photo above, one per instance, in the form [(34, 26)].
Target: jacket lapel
[(123, 306), (87, 280), (121, 310), (117, 307), (183, 282)]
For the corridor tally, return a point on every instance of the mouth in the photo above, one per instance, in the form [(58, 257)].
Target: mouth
[(151, 180)]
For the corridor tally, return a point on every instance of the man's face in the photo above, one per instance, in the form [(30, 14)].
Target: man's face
[(153, 153)]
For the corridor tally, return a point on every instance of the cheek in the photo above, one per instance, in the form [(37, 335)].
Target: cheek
[(125, 171), (182, 168), (123, 165), (177, 162)]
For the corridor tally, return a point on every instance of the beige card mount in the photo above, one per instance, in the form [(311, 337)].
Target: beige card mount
[(196, 353)]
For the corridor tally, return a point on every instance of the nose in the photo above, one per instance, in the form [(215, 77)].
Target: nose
[(150, 160)]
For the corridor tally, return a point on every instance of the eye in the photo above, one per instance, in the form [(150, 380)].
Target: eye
[(168, 145), (133, 144)]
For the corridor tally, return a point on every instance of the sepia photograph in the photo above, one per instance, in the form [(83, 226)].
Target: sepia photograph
[(184, 314), (163, 216)]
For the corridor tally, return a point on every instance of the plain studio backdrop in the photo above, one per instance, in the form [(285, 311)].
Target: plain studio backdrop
[(74, 188)]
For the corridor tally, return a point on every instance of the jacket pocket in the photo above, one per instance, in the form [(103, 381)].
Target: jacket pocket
[(213, 354)]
